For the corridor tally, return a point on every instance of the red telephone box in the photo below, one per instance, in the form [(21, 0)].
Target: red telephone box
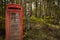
[(14, 22)]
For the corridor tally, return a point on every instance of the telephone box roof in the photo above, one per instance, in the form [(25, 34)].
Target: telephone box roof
[(13, 6)]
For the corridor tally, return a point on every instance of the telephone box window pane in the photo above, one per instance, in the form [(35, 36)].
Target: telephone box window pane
[(14, 18), (14, 26)]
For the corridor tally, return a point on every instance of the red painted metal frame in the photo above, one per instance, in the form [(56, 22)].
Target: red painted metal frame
[(7, 19)]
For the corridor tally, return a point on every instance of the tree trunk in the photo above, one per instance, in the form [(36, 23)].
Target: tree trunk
[(28, 13)]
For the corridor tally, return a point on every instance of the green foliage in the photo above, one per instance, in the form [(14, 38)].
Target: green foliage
[(35, 19), (46, 30)]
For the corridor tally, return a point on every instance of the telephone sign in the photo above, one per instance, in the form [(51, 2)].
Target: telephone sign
[(14, 22)]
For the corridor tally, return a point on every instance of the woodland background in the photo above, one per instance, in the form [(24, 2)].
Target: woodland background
[(41, 19)]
